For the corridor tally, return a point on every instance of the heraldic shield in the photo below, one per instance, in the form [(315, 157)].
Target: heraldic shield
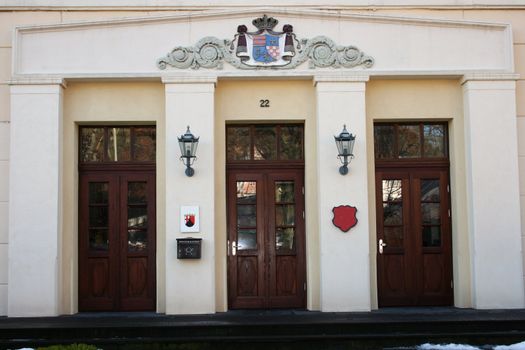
[(266, 48), (344, 217)]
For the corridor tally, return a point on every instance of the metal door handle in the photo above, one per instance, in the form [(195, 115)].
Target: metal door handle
[(234, 248), (381, 245)]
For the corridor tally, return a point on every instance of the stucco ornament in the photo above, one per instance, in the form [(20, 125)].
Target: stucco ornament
[(265, 48)]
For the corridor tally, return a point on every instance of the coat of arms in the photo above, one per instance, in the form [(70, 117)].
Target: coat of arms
[(344, 217), (265, 47)]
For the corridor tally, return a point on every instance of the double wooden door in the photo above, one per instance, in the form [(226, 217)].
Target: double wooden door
[(266, 247), (414, 237), (117, 241)]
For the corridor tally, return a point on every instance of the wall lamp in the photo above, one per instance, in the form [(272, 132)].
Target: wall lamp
[(345, 147), (188, 148)]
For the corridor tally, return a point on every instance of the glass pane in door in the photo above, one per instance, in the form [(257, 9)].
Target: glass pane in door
[(393, 231), (246, 215), (284, 216)]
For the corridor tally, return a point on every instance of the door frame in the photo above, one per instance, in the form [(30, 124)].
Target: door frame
[(265, 172), (129, 169), (419, 164)]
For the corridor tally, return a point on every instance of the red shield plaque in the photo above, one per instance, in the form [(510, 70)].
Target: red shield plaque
[(344, 217)]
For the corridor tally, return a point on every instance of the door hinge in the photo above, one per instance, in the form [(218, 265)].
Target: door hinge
[(304, 286), (449, 213), (303, 214), (448, 188), (303, 190), (451, 284)]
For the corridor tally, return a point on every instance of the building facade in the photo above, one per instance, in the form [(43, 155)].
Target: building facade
[(97, 211)]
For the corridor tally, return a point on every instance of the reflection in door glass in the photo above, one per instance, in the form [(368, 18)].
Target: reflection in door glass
[(92, 144), (394, 236), (393, 213), (246, 239), (98, 239), (137, 240), (391, 190), (246, 215), (119, 144), (137, 193), (284, 191), (137, 216), (431, 236), (284, 238), (98, 193), (409, 141), (246, 192), (434, 140), (265, 143)]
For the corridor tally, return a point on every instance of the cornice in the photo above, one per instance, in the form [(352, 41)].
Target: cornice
[(204, 4), (38, 81), (480, 76), (271, 11)]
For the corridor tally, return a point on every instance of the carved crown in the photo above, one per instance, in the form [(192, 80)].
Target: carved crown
[(265, 23)]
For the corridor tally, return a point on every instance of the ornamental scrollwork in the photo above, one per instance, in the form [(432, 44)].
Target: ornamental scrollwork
[(265, 49)]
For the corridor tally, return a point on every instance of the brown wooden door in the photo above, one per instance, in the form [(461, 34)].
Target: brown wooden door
[(266, 262), (414, 237), (117, 241)]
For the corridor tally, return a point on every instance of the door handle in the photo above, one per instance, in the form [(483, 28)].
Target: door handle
[(234, 248), (381, 245)]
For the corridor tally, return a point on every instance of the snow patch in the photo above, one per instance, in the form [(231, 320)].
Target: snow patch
[(428, 346), (518, 346)]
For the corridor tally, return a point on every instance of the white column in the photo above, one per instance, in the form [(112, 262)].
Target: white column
[(493, 191), (190, 284), (345, 264), (35, 212)]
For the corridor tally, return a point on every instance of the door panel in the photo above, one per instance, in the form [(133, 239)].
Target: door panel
[(117, 242), (413, 223), (266, 267)]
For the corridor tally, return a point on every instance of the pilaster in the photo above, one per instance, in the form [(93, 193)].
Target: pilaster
[(345, 276), (493, 191), (35, 212), (190, 284)]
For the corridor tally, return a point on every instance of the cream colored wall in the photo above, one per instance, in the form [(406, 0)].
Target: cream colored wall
[(9, 19), (107, 103), (438, 100), (290, 100)]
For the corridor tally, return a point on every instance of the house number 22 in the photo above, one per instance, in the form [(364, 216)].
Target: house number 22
[(264, 103)]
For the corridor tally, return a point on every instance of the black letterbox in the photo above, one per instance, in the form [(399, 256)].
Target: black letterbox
[(189, 248)]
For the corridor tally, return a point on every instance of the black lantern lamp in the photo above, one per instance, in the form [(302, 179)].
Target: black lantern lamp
[(188, 148), (345, 147)]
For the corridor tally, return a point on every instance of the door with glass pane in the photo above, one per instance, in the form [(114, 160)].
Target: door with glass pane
[(414, 241), (116, 238), (117, 242), (266, 262)]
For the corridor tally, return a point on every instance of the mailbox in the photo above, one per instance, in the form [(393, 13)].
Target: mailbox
[(189, 248)]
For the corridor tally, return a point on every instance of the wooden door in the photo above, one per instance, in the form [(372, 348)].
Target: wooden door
[(117, 241), (414, 237), (266, 248)]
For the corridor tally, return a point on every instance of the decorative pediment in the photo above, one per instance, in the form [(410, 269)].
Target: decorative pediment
[(131, 47), (265, 48)]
